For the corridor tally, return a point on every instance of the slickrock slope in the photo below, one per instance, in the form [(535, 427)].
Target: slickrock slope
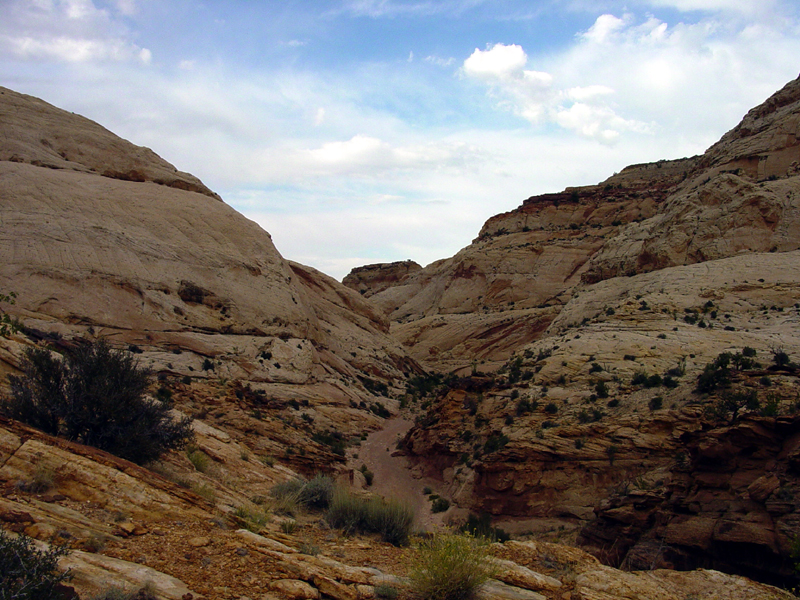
[(101, 238), (574, 432), (505, 288)]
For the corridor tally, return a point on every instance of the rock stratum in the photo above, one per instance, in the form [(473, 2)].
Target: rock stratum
[(580, 323), (563, 349), (102, 238)]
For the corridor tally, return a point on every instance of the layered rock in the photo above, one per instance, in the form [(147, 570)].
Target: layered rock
[(504, 289), (128, 528), (371, 279), (102, 238), (563, 439)]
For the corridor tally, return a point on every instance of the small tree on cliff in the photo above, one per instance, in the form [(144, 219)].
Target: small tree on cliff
[(95, 396), (8, 324)]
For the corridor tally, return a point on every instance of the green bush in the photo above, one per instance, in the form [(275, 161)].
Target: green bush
[(391, 519), (450, 567), (8, 324), (27, 573), (318, 492), (95, 396), (481, 526), (440, 505)]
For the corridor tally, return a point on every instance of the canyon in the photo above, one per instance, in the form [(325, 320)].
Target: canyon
[(551, 370)]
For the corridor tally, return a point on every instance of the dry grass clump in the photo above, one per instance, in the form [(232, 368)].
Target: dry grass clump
[(392, 519), (451, 567)]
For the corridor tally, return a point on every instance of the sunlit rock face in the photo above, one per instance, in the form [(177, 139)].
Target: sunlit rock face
[(100, 237)]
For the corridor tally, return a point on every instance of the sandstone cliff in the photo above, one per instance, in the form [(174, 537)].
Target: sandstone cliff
[(602, 306), (101, 238), (504, 289)]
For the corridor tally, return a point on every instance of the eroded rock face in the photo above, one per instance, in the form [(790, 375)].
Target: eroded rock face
[(563, 439), (742, 195), (371, 279), (37, 133), (102, 238)]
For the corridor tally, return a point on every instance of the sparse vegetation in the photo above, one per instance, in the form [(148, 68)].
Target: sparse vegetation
[(27, 573), (481, 526), (440, 505), (8, 324), (391, 519), (96, 396), (450, 567)]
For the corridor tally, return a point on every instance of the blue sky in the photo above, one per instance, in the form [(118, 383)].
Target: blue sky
[(361, 131)]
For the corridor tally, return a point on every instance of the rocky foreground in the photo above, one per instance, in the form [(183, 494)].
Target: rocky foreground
[(190, 535)]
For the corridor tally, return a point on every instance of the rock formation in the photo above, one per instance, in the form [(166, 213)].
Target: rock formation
[(596, 430), (504, 289), (102, 238), (371, 279), (569, 338)]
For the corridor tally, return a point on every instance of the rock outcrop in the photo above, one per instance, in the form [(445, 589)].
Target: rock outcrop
[(504, 290), (101, 238), (371, 279), (129, 528)]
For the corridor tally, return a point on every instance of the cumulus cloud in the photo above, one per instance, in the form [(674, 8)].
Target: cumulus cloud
[(533, 96), (371, 157), (72, 31)]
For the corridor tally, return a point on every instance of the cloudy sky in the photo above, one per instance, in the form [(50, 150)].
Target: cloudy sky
[(362, 131)]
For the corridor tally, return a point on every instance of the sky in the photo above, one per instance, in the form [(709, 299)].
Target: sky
[(365, 131)]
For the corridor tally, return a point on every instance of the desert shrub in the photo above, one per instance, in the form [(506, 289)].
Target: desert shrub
[(386, 591), (732, 403), (440, 505), (96, 396), (669, 382), (639, 378), (286, 496), (369, 477), (495, 442), (42, 480), (601, 389), (27, 573), (253, 519), (523, 407), (391, 519), (450, 567), (780, 358), (199, 459), (318, 492), (481, 526), (551, 408), (8, 324), (333, 439), (656, 403), (716, 374)]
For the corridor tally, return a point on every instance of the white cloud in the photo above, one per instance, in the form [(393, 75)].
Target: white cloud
[(72, 31), (319, 117), (439, 61), (604, 28), (532, 96), (496, 62)]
